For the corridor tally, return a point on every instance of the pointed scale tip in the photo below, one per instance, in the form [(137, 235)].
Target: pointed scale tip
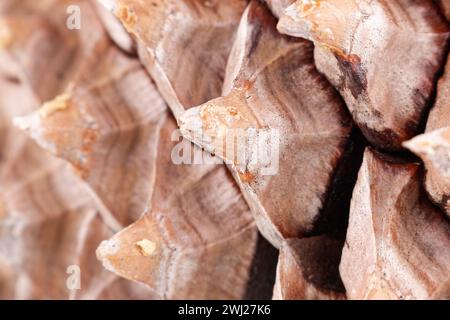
[(106, 250), (428, 143), (34, 125)]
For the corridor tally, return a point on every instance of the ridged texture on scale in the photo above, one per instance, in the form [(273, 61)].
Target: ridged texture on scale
[(274, 100), (107, 127), (38, 28), (184, 44), (397, 241), (383, 57)]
